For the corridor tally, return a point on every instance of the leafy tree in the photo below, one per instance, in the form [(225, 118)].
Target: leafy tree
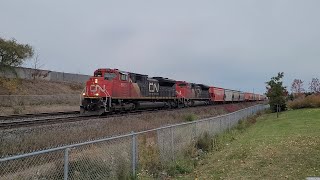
[(314, 86), (277, 93), (13, 54)]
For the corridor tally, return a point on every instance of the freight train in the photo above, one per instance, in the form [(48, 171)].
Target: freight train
[(112, 90)]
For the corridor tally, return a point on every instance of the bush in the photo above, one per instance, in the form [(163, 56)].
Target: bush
[(312, 101), (205, 142), (190, 117)]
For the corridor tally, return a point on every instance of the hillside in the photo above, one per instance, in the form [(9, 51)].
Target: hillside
[(37, 87), (22, 96), (284, 148)]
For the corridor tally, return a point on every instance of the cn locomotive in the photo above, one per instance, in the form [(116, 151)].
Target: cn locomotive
[(112, 90)]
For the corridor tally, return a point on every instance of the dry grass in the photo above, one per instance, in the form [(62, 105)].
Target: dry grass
[(19, 96), (312, 101), (37, 87), (37, 109)]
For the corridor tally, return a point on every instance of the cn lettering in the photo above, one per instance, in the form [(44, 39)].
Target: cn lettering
[(153, 87), (94, 88)]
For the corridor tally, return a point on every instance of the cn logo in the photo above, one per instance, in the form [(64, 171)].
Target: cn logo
[(153, 87), (95, 87)]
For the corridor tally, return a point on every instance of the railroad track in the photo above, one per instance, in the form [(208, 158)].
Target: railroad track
[(27, 116), (38, 122), (48, 118), (16, 123)]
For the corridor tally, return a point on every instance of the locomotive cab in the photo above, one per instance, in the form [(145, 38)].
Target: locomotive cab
[(100, 85), (97, 96)]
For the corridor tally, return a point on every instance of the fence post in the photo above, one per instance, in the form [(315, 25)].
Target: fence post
[(220, 129), (134, 153), (172, 144), (195, 130), (229, 121), (66, 164)]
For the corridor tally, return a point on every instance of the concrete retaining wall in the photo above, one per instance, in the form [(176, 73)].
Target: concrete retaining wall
[(28, 73)]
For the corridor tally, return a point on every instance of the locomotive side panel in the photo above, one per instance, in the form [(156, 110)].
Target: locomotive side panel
[(167, 87), (184, 90), (204, 94)]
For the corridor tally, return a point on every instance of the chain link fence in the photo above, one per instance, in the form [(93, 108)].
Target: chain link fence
[(119, 157)]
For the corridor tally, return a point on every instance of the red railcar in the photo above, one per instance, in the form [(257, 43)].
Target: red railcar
[(216, 94), (249, 96)]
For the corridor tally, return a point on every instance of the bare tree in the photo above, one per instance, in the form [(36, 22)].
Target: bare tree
[(297, 86), (36, 65), (314, 85)]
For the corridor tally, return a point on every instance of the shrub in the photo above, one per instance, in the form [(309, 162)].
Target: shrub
[(190, 117), (205, 142), (312, 101)]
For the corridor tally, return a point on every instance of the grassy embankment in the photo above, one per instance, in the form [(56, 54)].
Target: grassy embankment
[(283, 148), (21, 96)]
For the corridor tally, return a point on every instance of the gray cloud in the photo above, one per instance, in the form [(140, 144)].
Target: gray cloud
[(229, 43)]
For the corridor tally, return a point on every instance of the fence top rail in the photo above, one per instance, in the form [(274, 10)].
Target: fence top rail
[(116, 137)]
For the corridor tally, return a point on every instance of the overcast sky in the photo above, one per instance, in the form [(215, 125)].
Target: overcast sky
[(236, 44)]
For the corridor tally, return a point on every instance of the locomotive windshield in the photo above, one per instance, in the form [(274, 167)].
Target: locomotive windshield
[(109, 76), (98, 74)]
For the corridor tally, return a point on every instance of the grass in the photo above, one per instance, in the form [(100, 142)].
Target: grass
[(283, 148)]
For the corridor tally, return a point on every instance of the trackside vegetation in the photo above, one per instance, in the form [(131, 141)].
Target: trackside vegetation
[(312, 101), (283, 148), (187, 163)]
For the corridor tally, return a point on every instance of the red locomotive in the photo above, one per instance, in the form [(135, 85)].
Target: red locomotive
[(111, 90)]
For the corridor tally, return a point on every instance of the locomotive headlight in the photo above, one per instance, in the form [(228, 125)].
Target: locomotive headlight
[(97, 94), (83, 94), (96, 81)]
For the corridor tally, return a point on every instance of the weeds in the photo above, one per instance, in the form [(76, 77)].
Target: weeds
[(149, 160), (89, 169), (190, 117), (10, 84), (183, 165), (205, 142), (18, 109), (77, 87)]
